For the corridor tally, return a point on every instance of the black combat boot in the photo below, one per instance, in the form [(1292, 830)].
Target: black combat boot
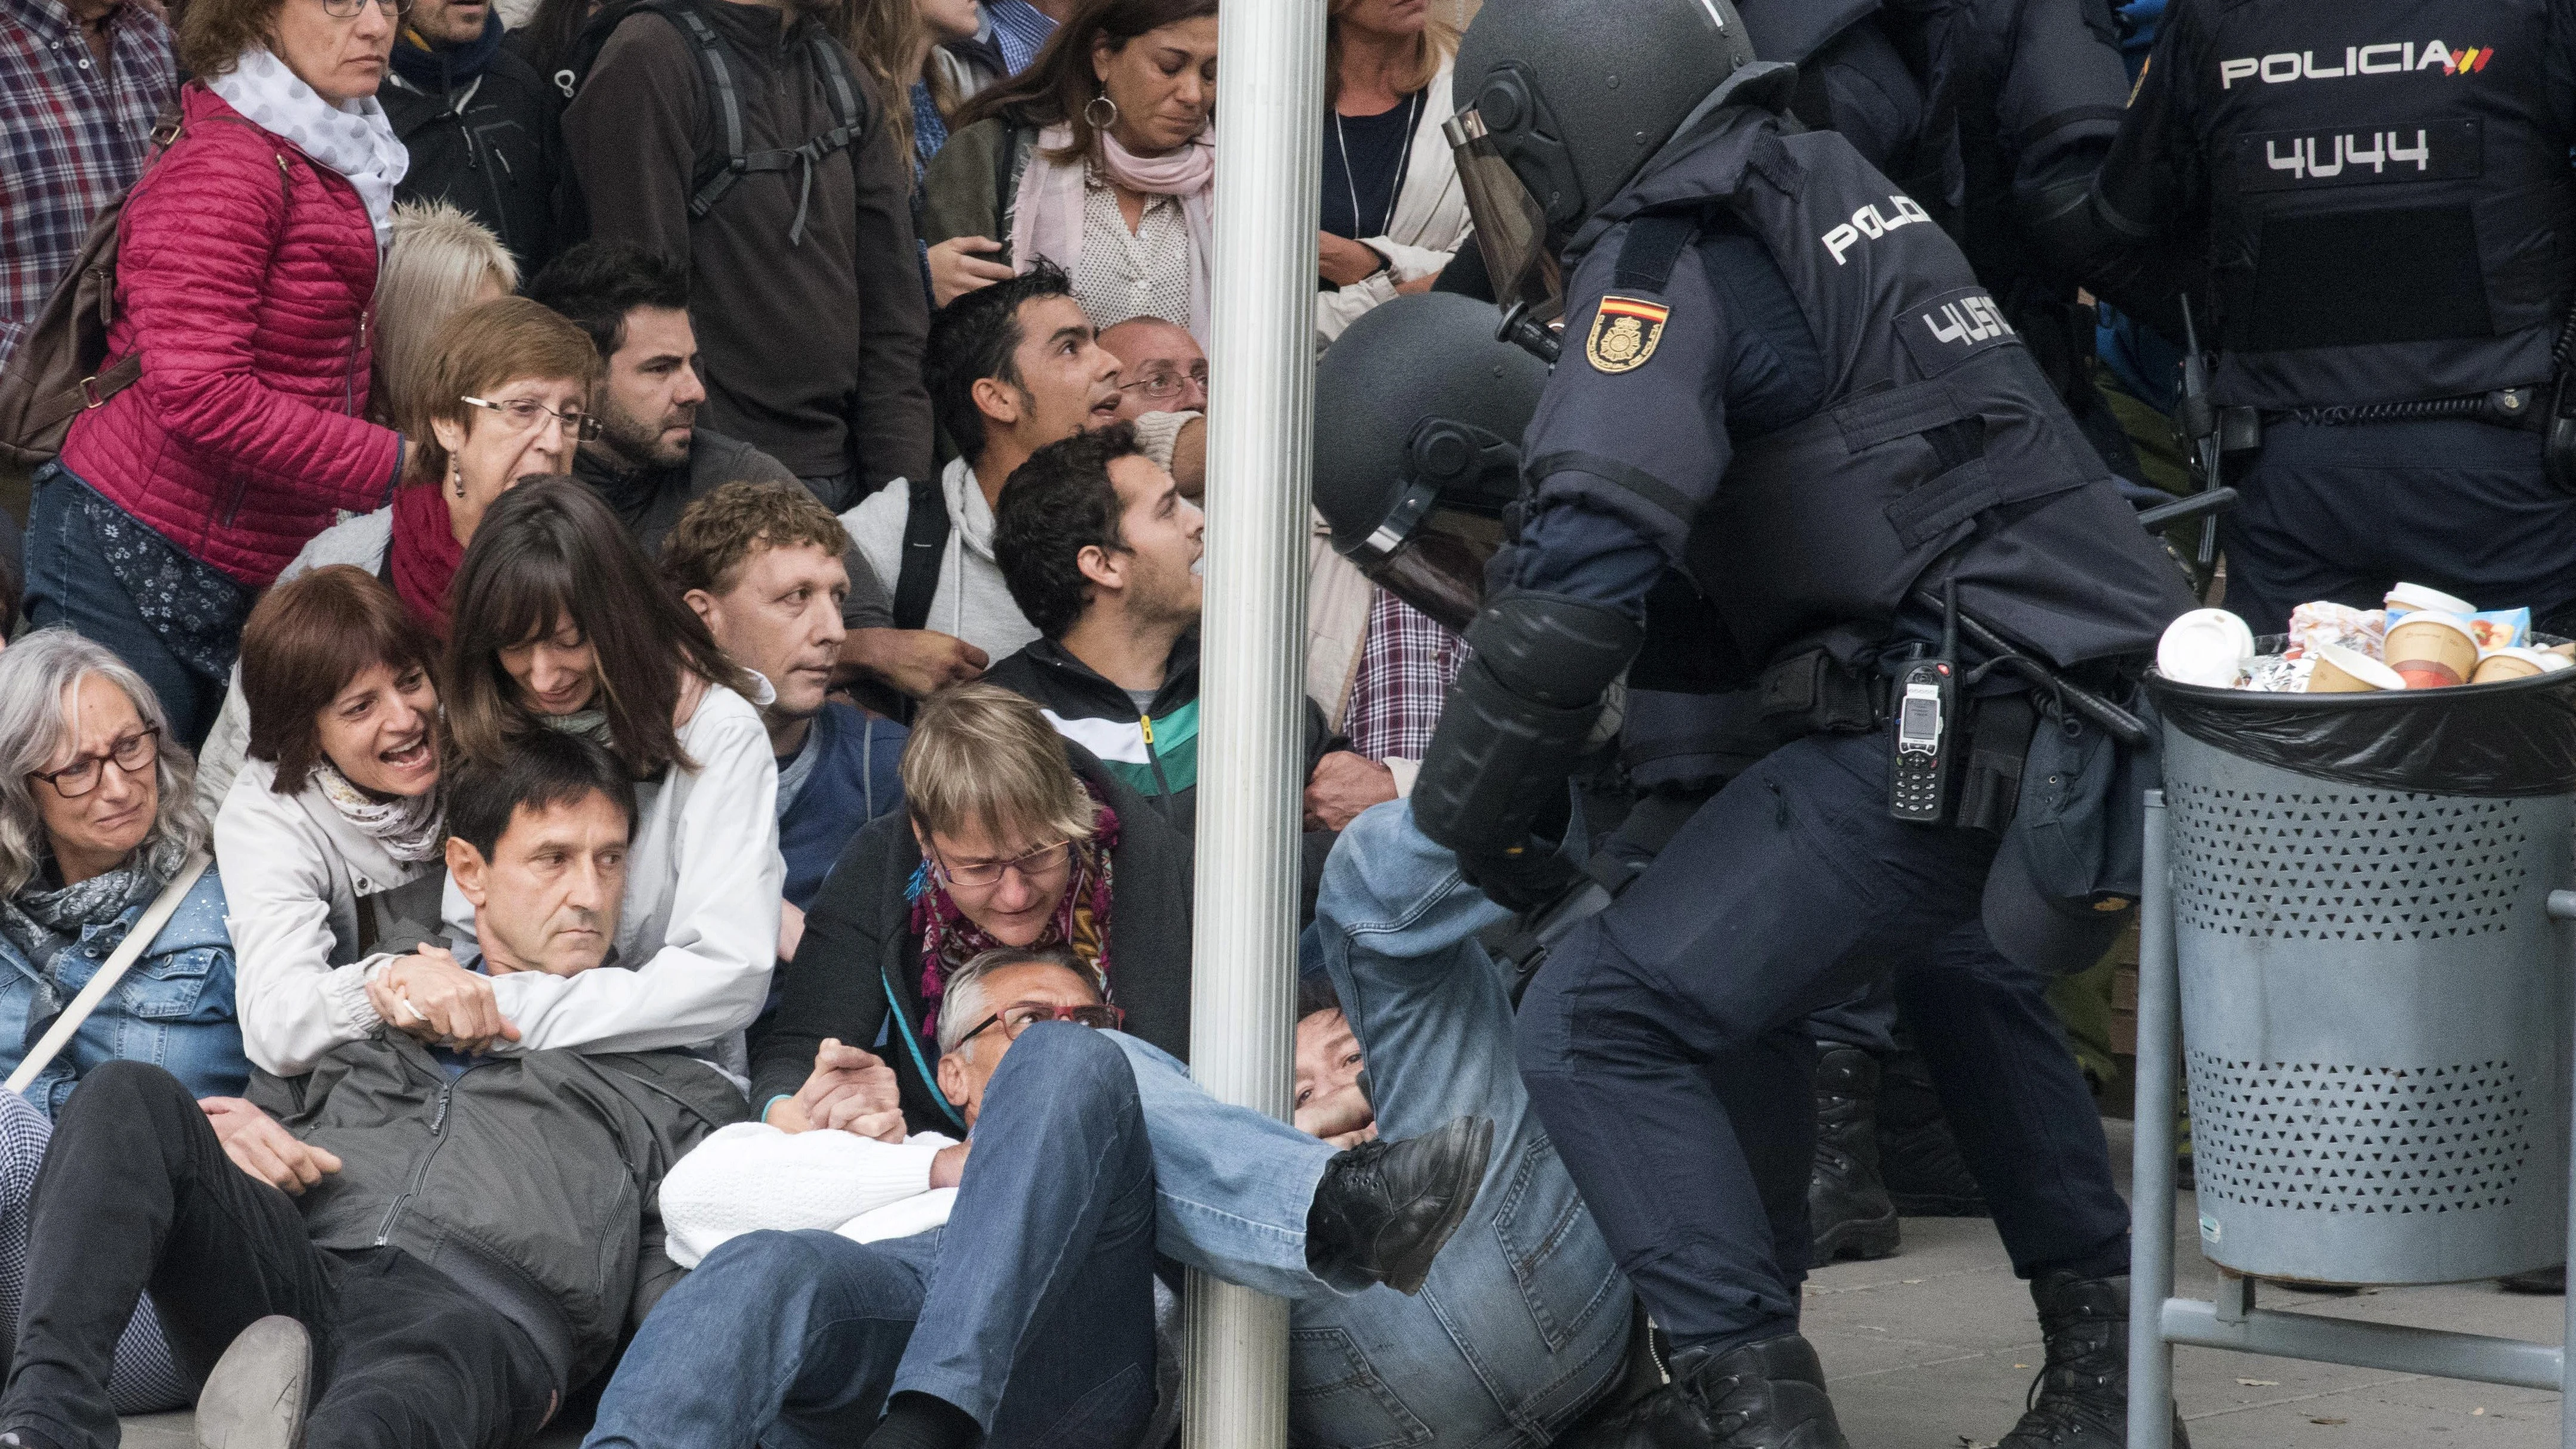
[(1918, 1159), (2081, 1398), (1848, 1211), (1767, 1395), (1384, 1209)]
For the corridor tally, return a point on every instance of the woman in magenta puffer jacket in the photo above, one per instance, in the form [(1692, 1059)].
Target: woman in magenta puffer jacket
[(245, 279)]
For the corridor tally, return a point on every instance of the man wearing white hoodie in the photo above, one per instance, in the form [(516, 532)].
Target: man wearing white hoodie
[(1011, 368)]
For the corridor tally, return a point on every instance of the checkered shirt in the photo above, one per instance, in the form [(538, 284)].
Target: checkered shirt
[(73, 134), (1021, 29), (1407, 664)]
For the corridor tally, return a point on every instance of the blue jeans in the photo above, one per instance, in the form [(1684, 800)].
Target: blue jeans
[(1032, 1310), (69, 583), (1524, 1320)]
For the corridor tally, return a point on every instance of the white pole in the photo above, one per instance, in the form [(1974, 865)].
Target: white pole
[(1261, 353)]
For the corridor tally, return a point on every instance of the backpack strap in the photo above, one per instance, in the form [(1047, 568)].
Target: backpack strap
[(738, 162), (925, 544)]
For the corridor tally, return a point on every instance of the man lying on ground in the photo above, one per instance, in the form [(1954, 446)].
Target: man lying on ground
[(1515, 1327), (426, 1248)]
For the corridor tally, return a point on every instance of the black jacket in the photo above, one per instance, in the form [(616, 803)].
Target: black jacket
[(860, 952), (490, 145), (529, 1179)]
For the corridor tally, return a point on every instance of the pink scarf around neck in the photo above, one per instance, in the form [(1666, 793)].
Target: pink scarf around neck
[(1047, 216)]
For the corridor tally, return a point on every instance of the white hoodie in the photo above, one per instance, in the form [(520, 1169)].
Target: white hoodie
[(971, 603)]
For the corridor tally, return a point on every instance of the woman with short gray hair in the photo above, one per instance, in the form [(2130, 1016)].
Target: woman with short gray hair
[(97, 814)]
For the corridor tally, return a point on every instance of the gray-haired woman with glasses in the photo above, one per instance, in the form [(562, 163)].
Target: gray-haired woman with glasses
[(95, 816)]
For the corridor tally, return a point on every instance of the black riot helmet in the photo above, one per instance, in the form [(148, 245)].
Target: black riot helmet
[(1418, 416), (1568, 99)]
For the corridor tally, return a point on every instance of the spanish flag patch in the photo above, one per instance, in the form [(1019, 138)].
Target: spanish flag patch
[(1624, 333)]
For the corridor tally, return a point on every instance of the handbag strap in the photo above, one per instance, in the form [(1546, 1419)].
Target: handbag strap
[(146, 931)]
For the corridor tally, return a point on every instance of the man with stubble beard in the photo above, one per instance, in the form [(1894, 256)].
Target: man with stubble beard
[(652, 459)]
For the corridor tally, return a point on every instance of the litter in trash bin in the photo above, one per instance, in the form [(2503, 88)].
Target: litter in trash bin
[(2426, 639)]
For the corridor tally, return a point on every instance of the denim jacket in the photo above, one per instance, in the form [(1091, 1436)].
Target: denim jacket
[(174, 1008)]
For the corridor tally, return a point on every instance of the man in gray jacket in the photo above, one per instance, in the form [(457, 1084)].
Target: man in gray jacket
[(473, 1232)]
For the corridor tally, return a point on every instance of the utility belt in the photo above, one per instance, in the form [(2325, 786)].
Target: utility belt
[(2521, 409), (1814, 693)]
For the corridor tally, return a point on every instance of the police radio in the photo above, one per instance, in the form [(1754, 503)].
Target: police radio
[(1927, 697)]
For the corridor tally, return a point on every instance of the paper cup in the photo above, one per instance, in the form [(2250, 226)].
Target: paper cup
[(2441, 648), (2208, 647), (2506, 664), (2349, 671), (2411, 597)]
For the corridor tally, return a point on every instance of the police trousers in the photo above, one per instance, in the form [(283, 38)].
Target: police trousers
[(1664, 1044)]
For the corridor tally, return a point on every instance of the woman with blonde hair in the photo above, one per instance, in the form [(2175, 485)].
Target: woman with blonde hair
[(906, 44), (440, 262), (1011, 836), (1393, 210), (1100, 157)]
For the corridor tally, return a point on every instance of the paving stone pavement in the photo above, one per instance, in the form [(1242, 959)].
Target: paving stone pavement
[(1935, 1347)]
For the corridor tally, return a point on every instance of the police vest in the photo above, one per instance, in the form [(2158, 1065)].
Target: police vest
[(2390, 199), (1939, 442)]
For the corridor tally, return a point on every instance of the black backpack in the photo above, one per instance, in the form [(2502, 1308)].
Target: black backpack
[(718, 171)]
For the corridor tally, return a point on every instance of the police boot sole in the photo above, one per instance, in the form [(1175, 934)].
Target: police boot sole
[(1867, 1239), (255, 1398)]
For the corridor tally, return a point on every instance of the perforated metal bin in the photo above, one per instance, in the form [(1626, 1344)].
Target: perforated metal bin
[(2374, 1013)]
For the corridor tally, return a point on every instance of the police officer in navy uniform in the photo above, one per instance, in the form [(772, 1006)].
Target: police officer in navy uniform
[(1783, 387), (2371, 206)]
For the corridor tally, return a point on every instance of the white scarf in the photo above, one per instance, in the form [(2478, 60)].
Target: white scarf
[(354, 139), (411, 828)]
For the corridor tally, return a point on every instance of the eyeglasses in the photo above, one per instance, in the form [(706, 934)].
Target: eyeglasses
[(1020, 1018), (132, 755), (1159, 386), (1037, 865), (523, 413), (352, 9)]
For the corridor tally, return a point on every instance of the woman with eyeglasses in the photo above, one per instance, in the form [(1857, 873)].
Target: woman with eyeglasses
[(1012, 837), (559, 623), (233, 420), (504, 395), (95, 818)]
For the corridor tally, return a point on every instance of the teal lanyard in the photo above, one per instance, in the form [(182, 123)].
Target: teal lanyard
[(912, 1043)]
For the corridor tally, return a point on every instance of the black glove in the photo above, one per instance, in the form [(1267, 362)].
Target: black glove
[(1514, 726), (1525, 880)]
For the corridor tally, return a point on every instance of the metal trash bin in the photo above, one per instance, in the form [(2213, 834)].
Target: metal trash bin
[(2374, 1020)]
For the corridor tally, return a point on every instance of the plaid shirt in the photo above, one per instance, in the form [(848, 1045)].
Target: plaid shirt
[(73, 134), (1407, 664), (1020, 28)]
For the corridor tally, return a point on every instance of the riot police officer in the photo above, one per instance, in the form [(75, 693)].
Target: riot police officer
[(1783, 388), (2372, 207)]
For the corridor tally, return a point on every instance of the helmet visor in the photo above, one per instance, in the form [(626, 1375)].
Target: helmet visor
[(1511, 228)]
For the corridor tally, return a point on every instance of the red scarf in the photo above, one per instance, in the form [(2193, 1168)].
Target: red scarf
[(425, 554)]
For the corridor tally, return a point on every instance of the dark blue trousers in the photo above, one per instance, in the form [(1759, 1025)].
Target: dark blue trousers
[(2342, 513), (1664, 1043)]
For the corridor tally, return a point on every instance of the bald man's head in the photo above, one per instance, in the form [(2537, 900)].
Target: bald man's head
[(1161, 368)]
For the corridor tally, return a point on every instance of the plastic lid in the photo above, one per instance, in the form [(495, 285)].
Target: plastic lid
[(2415, 596), (2207, 647)]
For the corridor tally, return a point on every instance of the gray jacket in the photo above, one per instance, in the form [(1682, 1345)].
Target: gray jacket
[(531, 1180)]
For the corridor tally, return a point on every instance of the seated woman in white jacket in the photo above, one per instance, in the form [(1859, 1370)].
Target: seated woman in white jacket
[(559, 623), (329, 837)]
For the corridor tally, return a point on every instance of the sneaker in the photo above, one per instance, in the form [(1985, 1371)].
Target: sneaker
[(255, 1398)]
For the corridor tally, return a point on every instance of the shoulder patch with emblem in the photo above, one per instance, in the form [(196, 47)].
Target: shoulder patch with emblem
[(1624, 333)]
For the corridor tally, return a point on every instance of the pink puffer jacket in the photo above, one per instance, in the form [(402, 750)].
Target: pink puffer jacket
[(250, 303)]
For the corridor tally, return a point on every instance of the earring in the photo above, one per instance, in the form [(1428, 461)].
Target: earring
[(1101, 99), (456, 479)]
